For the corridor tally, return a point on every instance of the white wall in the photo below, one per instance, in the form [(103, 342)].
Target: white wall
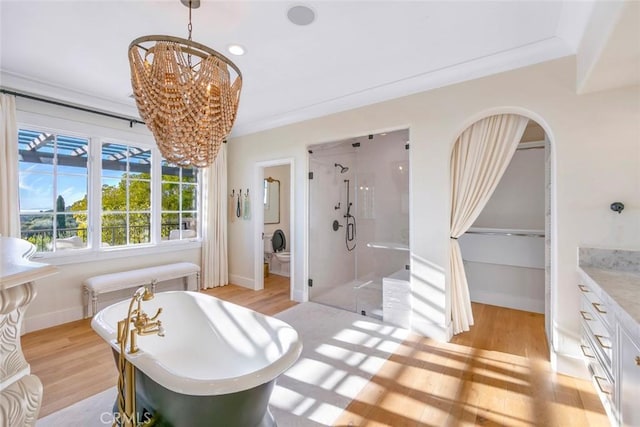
[(596, 144), (60, 297), (518, 201)]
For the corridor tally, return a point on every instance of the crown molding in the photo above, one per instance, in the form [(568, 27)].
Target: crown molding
[(522, 56), (31, 86)]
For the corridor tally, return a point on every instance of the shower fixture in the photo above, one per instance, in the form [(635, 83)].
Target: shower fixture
[(350, 230), (343, 169)]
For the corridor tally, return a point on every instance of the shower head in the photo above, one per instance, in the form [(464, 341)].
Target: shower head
[(343, 169)]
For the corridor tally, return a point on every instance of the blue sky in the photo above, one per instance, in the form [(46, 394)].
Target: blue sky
[(36, 189)]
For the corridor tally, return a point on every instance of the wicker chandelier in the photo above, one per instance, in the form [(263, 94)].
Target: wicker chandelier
[(186, 93)]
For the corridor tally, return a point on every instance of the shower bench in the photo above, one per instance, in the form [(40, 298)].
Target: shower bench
[(105, 283)]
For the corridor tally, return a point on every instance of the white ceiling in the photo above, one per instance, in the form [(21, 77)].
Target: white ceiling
[(354, 54)]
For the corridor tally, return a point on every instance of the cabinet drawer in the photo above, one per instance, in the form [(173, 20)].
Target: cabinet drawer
[(604, 385), (599, 307), (586, 347), (597, 333)]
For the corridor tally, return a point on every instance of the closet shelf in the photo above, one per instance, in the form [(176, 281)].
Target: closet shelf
[(519, 232), (389, 245)]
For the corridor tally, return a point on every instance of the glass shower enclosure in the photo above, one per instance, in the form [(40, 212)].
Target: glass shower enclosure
[(358, 220)]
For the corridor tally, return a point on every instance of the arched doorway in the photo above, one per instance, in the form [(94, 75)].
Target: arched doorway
[(508, 250)]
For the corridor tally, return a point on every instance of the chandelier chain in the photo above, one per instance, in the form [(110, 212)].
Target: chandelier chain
[(190, 27)]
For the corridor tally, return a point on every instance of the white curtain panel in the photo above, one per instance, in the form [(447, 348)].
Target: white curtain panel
[(9, 202), (479, 159), (215, 270)]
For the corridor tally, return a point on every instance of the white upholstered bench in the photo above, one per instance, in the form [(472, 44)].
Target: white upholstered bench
[(97, 285)]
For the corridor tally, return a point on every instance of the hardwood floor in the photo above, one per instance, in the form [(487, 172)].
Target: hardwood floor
[(496, 374)]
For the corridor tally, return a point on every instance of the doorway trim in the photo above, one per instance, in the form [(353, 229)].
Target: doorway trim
[(258, 221)]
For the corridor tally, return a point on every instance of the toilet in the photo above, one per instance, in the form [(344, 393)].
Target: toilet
[(275, 254)]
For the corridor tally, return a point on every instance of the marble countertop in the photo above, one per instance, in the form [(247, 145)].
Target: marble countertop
[(622, 289)]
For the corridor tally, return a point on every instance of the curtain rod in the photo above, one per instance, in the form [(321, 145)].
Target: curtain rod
[(75, 107)]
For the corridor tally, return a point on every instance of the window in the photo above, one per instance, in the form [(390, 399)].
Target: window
[(53, 180), (126, 195), (131, 196), (179, 202)]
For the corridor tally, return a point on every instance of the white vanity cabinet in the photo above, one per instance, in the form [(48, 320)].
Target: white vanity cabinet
[(629, 378), (597, 344), (610, 319)]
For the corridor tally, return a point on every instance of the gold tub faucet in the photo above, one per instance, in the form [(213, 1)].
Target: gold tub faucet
[(142, 325)]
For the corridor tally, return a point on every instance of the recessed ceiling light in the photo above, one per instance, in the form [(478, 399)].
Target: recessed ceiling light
[(301, 15), (236, 49)]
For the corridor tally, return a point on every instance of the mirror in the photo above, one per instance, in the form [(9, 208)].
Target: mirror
[(271, 201)]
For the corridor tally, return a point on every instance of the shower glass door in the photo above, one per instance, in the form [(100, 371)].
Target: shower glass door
[(358, 220), (332, 264)]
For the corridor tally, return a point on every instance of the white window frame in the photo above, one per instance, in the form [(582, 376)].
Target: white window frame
[(181, 211), (54, 175), (97, 135)]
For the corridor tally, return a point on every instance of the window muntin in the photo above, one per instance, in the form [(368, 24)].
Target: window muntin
[(53, 188), (179, 202), (126, 195)]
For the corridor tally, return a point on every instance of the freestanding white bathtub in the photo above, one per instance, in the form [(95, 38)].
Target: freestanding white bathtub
[(216, 365)]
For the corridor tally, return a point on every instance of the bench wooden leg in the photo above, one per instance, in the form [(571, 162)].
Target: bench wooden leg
[(94, 303), (85, 300)]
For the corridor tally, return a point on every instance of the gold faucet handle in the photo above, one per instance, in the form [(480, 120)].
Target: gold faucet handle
[(160, 329), (156, 315)]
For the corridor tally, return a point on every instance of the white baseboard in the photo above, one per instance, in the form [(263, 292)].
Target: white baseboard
[(430, 330), (245, 282), (509, 301), (47, 320), (299, 295), (568, 364)]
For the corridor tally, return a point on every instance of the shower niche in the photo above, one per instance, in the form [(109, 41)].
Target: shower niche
[(359, 221)]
